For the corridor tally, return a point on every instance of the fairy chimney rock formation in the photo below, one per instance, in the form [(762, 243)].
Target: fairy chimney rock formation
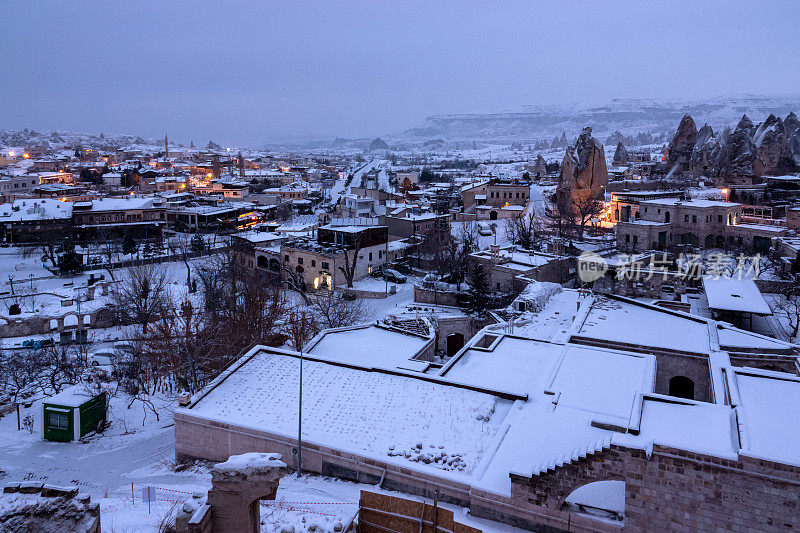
[(584, 173), (680, 148), (621, 154)]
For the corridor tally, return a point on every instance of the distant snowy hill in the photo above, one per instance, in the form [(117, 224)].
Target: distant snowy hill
[(630, 117), (71, 139)]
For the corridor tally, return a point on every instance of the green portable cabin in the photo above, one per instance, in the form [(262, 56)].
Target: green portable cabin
[(69, 415)]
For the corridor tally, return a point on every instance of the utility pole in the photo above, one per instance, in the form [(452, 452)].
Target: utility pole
[(300, 421)]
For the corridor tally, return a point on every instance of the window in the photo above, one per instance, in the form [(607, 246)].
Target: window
[(627, 238), (325, 265), (313, 263), (686, 218), (380, 254), (57, 420), (299, 260), (286, 258), (694, 219), (719, 218), (370, 256)]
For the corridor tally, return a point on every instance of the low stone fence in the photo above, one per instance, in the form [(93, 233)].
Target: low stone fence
[(775, 286), (360, 293), (103, 317), (432, 296)]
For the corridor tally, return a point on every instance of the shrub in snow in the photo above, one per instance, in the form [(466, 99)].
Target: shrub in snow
[(432, 455)]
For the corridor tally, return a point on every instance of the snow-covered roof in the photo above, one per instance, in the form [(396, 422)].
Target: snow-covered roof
[(122, 204), (369, 345), (357, 409), (38, 209), (697, 202), (620, 321), (74, 396), (768, 404), (733, 294)]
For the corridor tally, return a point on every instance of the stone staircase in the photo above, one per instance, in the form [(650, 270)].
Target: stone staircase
[(572, 456)]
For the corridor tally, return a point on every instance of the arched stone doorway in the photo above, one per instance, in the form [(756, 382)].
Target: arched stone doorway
[(681, 387), (70, 321), (455, 341), (604, 499)]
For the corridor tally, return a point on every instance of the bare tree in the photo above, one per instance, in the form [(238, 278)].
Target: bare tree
[(439, 248), (468, 235), (185, 348), (49, 244), (520, 231), (585, 209), (787, 306), (142, 295), (558, 216), (300, 327), (330, 310), (181, 247), (60, 366), (239, 304), (20, 374), (349, 268)]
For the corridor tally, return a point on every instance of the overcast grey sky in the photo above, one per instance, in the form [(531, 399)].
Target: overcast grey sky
[(248, 72)]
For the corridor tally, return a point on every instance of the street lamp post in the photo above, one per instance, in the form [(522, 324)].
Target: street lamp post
[(300, 420)]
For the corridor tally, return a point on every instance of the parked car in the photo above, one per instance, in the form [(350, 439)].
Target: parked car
[(102, 357), (394, 276), (484, 229)]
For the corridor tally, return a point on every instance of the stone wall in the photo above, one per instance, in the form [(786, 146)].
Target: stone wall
[(665, 490), (31, 506), (693, 367), (431, 296), (676, 490)]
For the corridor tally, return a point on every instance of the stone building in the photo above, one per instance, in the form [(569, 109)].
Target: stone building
[(507, 265), (145, 217), (589, 413), (665, 223)]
